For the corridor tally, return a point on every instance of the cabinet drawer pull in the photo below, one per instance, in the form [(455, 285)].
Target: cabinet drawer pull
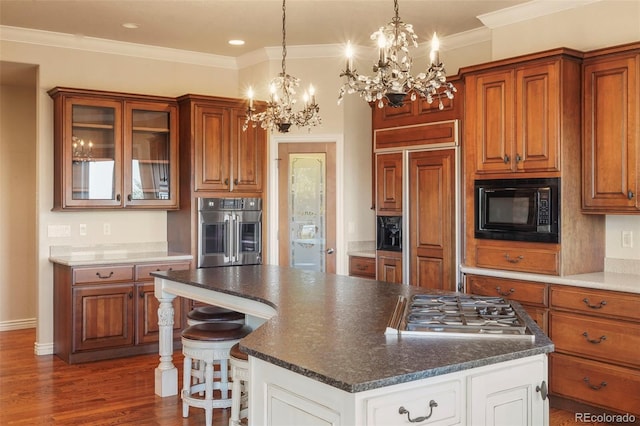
[(513, 260), (403, 410), (594, 341), (598, 306), (104, 277), (505, 293), (542, 388), (594, 387), (361, 267)]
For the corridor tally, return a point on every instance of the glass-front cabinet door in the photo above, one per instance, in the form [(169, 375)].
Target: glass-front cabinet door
[(151, 154), (92, 147), (114, 150)]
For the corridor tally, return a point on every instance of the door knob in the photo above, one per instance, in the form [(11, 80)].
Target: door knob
[(330, 251)]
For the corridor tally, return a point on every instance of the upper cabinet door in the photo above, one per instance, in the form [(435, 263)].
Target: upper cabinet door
[(151, 154), (389, 183), (611, 139), (88, 153), (212, 135), (248, 156), (491, 109), (537, 141)]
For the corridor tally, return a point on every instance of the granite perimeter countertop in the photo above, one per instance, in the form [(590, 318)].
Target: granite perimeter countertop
[(103, 254), (331, 328)]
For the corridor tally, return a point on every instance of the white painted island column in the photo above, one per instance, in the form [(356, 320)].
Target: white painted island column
[(166, 373)]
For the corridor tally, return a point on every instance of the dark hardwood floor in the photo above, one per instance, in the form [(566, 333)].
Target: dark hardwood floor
[(44, 390)]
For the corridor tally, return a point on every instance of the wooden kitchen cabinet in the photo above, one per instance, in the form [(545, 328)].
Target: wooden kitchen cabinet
[(389, 266), (611, 130), (596, 335), (226, 158), (432, 219), (533, 296), (108, 311), (114, 150), (389, 184), (515, 114)]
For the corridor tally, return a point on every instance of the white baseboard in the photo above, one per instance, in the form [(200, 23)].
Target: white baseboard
[(18, 324), (43, 348)]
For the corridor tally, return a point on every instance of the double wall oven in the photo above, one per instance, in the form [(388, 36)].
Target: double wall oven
[(229, 231)]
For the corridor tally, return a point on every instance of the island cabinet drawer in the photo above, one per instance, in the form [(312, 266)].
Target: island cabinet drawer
[(522, 291), (143, 272), (360, 266), (595, 383), (598, 338), (540, 261), (437, 404), (106, 274), (596, 302)]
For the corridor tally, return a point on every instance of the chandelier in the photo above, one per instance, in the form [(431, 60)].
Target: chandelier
[(392, 79), (279, 113)]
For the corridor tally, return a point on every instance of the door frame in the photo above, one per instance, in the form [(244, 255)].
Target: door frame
[(272, 257)]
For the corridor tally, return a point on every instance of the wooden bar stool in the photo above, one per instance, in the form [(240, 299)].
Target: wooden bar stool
[(239, 362), (208, 343), (213, 314)]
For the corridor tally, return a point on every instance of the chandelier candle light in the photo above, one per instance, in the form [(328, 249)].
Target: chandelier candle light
[(392, 78), (279, 112)]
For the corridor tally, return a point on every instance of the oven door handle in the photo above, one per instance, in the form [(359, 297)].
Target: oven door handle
[(227, 246), (236, 239)]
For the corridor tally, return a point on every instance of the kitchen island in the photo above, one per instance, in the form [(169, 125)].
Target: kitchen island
[(319, 353)]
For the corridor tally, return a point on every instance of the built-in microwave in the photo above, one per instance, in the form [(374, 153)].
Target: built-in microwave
[(518, 209)]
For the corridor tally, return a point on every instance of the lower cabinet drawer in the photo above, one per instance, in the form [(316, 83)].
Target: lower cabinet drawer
[(523, 291), (360, 266), (607, 340), (143, 272), (103, 274), (516, 259), (595, 383), (442, 403)]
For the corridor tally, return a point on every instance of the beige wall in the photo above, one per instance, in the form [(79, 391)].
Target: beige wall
[(18, 205), (585, 27)]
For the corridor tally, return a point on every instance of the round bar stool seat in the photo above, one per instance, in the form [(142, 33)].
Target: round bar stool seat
[(208, 344), (239, 362), (213, 314)]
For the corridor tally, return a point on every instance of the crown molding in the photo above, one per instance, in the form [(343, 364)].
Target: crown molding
[(92, 44), (529, 10)]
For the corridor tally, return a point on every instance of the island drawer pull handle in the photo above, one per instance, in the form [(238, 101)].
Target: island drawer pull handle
[(594, 387), (403, 410), (104, 277), (512, 260), (505, 293), (542, 388), (594, 341), (598, 306)]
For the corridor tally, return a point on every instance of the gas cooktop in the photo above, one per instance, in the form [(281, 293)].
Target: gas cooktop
[(457, 316)]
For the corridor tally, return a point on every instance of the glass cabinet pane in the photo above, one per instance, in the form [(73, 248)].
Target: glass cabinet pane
[(150, 155), (93, 152)]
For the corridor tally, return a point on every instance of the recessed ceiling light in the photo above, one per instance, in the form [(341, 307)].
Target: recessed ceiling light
[(130, 25), (236, 42)]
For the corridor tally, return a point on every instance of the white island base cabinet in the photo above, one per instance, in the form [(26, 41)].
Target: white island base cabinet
[(508, 393)]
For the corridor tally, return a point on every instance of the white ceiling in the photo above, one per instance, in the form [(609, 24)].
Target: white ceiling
[(207, 25)]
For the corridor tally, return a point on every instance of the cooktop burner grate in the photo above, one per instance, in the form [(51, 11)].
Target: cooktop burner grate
[(457, 315)]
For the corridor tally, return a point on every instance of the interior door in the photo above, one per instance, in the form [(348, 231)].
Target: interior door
[(306, 206), (432, 222)]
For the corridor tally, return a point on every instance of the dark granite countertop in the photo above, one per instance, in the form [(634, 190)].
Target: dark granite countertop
[(331, 328)]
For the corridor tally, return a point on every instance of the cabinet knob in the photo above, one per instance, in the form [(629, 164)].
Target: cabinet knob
[(630, 194), (542, 388), (235, 181), (506, 159), (518, 158), (226, 181), (118, 197), (403, 410), (129, 198)]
